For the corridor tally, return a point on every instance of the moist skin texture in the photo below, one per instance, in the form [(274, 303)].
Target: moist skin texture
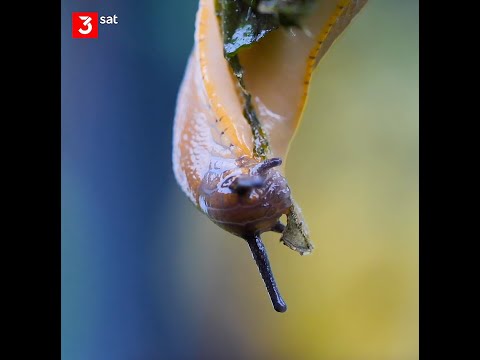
[(244, 213), (213, 158)]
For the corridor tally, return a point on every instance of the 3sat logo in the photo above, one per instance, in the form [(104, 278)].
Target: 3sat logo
[(85, 24)]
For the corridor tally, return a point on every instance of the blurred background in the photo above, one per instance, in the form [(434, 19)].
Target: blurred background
[(146, 276)]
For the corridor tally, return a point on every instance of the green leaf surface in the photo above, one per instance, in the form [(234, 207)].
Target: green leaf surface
[(242, 24)]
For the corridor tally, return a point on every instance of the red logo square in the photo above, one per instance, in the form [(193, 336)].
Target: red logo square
[(85, 25)]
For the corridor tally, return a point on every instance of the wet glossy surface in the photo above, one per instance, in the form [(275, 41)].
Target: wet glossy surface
[(213, 146), (278, 70), (211, 132)]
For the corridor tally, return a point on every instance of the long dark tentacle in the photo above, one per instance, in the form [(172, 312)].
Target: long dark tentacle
[(261, 258)]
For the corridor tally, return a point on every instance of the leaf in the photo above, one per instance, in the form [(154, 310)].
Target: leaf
[(296, 235), (242, 25), (290, 13)]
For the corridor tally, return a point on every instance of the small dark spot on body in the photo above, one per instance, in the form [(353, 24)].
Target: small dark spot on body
[(312, 57)]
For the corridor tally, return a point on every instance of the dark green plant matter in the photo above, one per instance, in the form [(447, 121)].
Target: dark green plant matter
[(241, 27), (244, 23), (289, 13)]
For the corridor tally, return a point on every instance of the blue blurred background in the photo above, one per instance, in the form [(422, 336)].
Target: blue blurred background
[(146, 276)]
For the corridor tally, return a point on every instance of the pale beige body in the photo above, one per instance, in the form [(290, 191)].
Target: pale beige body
[(213, 157)]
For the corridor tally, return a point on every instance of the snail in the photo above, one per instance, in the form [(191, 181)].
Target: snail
[(232, 133)]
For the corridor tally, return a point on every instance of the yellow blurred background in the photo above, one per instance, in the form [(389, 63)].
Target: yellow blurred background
[(353, 169), (146, 276)]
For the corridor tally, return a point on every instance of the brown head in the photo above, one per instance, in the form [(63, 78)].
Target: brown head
[(246, 199)]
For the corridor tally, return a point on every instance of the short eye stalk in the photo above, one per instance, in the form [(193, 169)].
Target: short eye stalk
[(244, 184), (267, 165)]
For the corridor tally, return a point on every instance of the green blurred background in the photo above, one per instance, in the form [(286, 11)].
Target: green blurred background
[(147, 276)]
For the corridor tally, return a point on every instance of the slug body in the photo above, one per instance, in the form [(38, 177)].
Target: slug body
[(213, 153)]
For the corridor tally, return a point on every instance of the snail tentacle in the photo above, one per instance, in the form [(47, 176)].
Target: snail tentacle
[(258, 94), (244, 184), (260, 256), (267, 164)]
